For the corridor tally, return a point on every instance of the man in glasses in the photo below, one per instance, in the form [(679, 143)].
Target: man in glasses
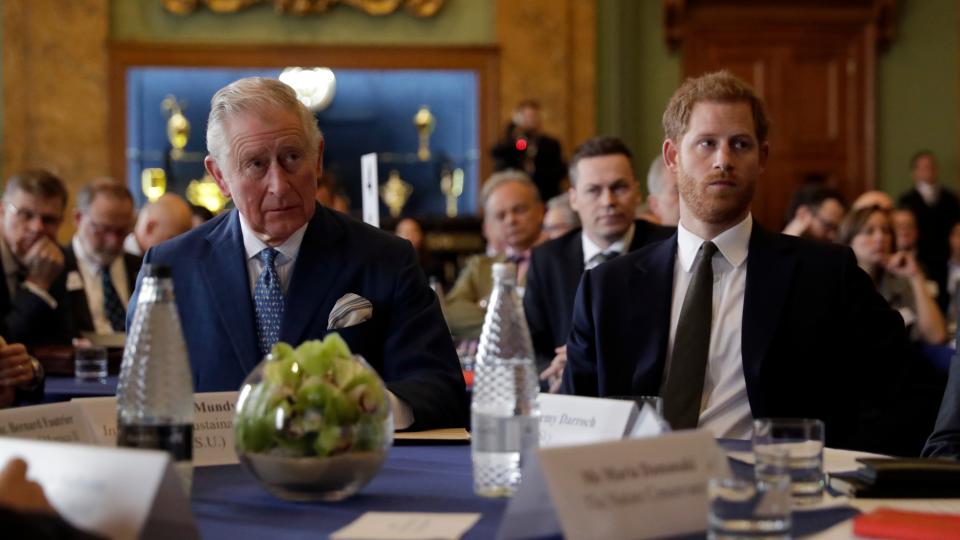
[(815, 212), (32, 302), (100, 276)]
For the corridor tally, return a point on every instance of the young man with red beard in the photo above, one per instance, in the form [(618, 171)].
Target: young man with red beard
[(725, 320)]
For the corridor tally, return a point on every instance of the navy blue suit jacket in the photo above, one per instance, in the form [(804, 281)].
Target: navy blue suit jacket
[(406, 340), (945, 440), (555, 270), (818, 340)]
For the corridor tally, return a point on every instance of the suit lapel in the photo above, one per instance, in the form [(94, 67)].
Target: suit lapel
[(224, 268), (573, 267), (79, 307), (651, 290), (315, 276), (770, 267)]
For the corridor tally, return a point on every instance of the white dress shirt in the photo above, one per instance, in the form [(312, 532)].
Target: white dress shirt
[(284, 263), (592, 252), (132, 246), (724, 407), (93, 285), (930, 193)]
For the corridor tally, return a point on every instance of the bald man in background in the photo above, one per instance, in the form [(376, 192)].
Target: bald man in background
[(157, 222)]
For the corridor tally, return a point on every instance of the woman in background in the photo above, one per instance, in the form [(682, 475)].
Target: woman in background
[(897, 275)]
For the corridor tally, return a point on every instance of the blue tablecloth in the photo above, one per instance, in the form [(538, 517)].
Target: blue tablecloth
[(58, 388), (230, 505)]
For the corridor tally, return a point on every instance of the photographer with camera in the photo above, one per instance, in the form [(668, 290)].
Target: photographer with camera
[(525, 148)]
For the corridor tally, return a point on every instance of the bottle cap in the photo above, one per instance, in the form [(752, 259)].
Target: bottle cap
[(505, 270), (156, 270)]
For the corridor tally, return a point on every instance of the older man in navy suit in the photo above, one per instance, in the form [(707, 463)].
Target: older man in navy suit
[(282, 268), (726, 321)]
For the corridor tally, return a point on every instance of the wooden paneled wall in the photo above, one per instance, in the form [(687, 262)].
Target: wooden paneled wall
[(548, 53), (54, 89)]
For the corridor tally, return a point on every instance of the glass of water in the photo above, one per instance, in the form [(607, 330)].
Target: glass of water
[(90, 364), (751, 508), (802, 440)]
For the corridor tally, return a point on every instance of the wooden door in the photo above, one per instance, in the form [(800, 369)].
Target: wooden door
[(814, 66)]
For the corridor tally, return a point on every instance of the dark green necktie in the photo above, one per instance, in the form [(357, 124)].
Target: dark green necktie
[(683, 388)]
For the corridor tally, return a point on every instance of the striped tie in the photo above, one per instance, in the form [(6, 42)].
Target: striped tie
[(112, 306)]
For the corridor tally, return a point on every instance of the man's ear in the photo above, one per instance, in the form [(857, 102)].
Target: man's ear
[(572, 193), (671, 155), (217, 173), (764, 154), (77, 216)]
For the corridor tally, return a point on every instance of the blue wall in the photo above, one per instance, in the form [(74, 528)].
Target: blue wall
[(371, 112)]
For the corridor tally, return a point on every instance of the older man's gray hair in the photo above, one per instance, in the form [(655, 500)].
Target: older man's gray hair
[(255, 94), (655, 182), (497, 179), (560, 204)]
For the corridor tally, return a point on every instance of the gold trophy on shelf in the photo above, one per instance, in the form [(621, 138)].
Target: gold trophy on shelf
[(153, 182), (395, 193), (424, 122), (178, 127), (451, 184)]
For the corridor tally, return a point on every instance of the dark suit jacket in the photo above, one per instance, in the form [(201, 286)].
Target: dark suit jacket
[(552, 279), (945, 440), (549, 168), (28, 319), (818, 340), (80, 318), (934, 224), (406, 340)]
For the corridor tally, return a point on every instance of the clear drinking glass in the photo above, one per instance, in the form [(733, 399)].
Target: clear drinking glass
[(752, 508), (90, 364), (802, 440)]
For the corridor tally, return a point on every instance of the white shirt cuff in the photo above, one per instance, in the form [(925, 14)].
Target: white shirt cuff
[(44, 295), (402, 413)]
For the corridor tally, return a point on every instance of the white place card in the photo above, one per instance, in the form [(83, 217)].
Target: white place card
[(116, 492), (212, 425), (63, 422), (370, 188), (566, 420), (636, 488), (407, 526)]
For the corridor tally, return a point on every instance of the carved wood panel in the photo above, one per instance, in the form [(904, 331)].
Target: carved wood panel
[(814, 65)]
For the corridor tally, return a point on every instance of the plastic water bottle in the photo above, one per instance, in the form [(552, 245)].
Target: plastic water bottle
[(155, 392), (504, 415)]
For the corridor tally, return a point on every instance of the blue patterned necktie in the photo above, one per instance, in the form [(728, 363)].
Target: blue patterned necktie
[(112, 306), (268, 301)]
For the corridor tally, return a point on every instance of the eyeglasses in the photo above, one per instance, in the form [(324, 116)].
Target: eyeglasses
[(829, 226), (100, 229), (24, 215)]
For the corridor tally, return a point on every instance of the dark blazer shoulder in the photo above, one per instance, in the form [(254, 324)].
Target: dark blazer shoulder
[(560, 245)]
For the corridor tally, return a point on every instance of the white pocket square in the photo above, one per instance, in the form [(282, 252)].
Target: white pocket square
[(351, 309)]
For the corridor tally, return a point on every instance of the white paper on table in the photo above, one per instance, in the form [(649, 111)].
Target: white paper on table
[(213, 442), (63, 422), (566, 420), (834, 459), (635, 488), (408, 526), (116, 492), (370, 189)]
